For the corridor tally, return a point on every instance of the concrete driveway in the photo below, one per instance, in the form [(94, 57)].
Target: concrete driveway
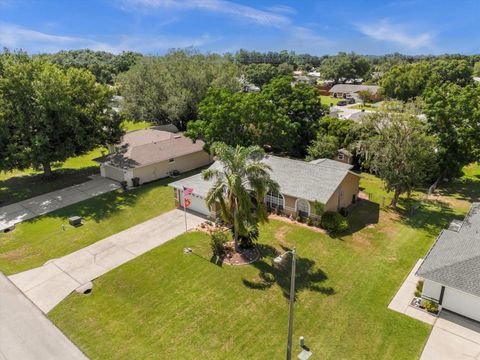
[(26, 333), (43, 204), (49, 284), (453, 338)]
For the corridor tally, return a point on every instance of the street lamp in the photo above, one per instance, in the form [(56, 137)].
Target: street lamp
[(278, 260)]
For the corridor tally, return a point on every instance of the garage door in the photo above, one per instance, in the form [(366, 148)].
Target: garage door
[(461, 303), (197, 203), (114, 173)]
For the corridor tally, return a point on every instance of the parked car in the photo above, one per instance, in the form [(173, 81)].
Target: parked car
[(342, 103), (351, 100)]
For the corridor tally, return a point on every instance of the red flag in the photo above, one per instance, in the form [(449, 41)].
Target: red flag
[(187, 191)]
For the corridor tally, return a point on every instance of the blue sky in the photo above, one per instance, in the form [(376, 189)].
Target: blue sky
[(317, 27)]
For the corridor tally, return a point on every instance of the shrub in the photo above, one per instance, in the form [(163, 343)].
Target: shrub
[(334, 222), (268, 277), (318, 208), (246, 241), (417, 293), (309, 221), (298, 218), (420, 285), (430, 306), (217, 242), (124, 185)]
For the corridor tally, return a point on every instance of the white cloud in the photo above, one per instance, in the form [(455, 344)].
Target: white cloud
[(17, 37), (386, 31), (13, 36), (302, 39), (262, 17)]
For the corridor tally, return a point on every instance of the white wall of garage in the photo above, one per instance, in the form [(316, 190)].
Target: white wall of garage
[(462, 303), (197, 203), (431, 290), (112, 172)]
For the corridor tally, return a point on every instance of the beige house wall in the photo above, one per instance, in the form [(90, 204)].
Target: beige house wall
[(162, 169), (343, 196)]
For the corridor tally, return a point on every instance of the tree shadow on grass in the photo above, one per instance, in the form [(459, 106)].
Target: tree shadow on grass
[(463, 189), (103, 206), (308, 276), (364, 213), (428, 215), (18, 188)]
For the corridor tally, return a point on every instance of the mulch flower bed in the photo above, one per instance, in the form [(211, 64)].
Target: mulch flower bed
[(291, 221), (242, 257)]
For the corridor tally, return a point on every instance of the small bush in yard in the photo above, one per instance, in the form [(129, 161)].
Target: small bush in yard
[(309, 221), (418, 291), (334, 222), (217, 242), (430, 306)]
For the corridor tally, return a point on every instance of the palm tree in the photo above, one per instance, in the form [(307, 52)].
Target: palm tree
[(240, 187)]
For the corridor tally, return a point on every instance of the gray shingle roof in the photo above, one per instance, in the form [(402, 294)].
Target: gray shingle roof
[(351, 88), (148, 146), (332, 163), (296, 178), (454, 259)]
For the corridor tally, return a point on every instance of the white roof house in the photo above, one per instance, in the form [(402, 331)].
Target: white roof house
[(451, 269)]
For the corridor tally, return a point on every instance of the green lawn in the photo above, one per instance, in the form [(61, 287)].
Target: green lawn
[(35, 241), (20, 185), (364, 107), (327, 100), (168, 305)]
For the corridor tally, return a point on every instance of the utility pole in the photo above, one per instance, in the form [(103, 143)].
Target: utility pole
[(292, 301)]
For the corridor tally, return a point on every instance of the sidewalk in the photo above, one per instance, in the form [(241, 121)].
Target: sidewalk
[(401, 300), (48, 285), (43, 204)]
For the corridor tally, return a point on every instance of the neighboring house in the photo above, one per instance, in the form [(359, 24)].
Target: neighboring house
[(343, 160), (301, 184), (247, 86), (304, 79), (152, 154), (351, 90), (451, 269), (344, 156), (332, 163), (314, 74)]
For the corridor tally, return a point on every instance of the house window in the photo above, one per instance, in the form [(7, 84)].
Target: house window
[(341, 156), (303, 207), (171, 161), (274, 200)]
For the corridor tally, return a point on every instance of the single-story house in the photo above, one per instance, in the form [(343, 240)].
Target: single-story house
[(302, 79), (343, 159), (451, 269), (152, 154), (332, 163), (301, 184), (351, 90)]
